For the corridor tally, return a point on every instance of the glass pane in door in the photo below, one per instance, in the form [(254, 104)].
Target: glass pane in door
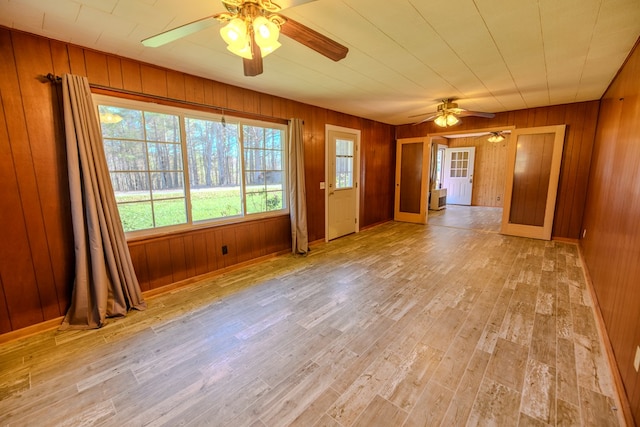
[(411, 177), (531, 176)]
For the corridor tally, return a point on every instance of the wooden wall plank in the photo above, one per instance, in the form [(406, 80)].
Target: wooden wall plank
[(59, 58), (266, 105), (97, 68), (235, 98), (114, 68), (194, 89), (175, 85), (250, 101), (200, 254), (178, 260), (139, 260), (76, 60), (158, 263), (212, 251), (154, 80), (131, 75)]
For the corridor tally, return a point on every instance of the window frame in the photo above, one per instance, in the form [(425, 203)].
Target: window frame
[(182, 113)]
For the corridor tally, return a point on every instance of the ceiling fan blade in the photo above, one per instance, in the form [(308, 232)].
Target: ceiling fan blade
[(253, 67), (476, 114), (314, 40), (428, 119), (286, 4), (423, 114), (179, 32)]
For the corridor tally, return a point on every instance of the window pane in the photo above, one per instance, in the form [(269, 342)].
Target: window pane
[(120, 123), (125, 155), (264, 169), (214, 169), (274, 200), (169, 212), (130, 186), (256, 201), (208, 203), (167, 185), (136, 216), (165, 157), (344, 147), (162, 127)]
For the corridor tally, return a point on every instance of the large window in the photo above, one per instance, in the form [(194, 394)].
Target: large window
[(175, 167)]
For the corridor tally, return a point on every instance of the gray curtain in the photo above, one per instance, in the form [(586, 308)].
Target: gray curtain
[(297, 189), (105, 283)]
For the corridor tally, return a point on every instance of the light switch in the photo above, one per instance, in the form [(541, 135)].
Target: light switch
[(322, 185)]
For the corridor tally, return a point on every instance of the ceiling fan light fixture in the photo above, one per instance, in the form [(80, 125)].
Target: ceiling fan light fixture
[(235, 32), (266, 35), (452, 120), (446, 119), (496, 137)]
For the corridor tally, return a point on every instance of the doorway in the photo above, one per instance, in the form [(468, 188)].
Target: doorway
[(481, 206), (342, 172)]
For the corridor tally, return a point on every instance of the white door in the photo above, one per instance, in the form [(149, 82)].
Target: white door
[(458, 174), (342, 182)]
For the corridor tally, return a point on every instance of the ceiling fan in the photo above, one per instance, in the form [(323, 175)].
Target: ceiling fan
[(448, 114), (252, 31)]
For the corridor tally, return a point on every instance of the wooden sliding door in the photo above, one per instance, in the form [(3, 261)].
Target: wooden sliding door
[(533, 170)]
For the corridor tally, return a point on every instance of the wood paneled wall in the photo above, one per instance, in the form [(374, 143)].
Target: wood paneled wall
[(36, 254), (611, 246), (580, 119), (489, 169)]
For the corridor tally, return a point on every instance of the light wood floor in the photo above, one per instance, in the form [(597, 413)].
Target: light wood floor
[(398, 325), (481, 218)]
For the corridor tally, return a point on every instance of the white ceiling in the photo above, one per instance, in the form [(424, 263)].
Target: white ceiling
[(404, 55)]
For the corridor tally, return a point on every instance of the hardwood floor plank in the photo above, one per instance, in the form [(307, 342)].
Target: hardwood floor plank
[(431, 407), (381, 412), (496, 405), (508, 363)]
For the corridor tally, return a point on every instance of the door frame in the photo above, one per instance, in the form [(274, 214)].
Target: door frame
[(356, 174)]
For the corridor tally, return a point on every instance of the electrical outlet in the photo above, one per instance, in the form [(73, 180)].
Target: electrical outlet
[(636, 360), (225, 250)]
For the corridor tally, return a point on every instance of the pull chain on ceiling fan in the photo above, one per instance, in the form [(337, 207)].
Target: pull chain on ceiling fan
[(252, 30)]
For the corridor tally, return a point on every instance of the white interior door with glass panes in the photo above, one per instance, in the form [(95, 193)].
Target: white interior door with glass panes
[(458, 174), (342, 184)]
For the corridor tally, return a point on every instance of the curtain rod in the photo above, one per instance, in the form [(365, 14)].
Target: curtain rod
[(57, 79)]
